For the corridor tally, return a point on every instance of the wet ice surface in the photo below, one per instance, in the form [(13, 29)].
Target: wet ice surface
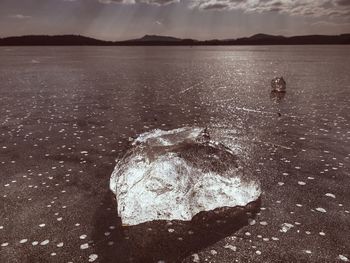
[(68, 116)]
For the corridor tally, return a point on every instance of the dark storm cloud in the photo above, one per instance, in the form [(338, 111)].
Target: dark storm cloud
[(215, 6), (343, 2)]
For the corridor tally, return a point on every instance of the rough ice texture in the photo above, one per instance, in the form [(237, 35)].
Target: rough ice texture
[(174, 175)]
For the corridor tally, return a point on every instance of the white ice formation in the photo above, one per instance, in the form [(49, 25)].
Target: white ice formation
[(174, 175)]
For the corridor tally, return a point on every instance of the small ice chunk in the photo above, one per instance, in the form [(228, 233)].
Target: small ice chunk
[(278, 84)]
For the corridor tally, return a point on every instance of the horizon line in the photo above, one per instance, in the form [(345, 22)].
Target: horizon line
[(170, 36)]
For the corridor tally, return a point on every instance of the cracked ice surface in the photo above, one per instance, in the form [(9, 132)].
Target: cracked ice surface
[(174, 175)]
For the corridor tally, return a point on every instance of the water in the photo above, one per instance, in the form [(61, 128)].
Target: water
[(68, 112)]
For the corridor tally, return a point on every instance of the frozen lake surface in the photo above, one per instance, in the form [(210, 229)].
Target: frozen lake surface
[(68, 112)]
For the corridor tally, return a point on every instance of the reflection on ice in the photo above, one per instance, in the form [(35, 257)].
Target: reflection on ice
[(277, 96), (174, 175)]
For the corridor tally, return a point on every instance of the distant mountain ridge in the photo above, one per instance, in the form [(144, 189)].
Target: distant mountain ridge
[(59, 40), (265, 36), (158, 38), (155, 40)]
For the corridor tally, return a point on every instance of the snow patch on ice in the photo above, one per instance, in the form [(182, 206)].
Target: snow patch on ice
[(285, 227)]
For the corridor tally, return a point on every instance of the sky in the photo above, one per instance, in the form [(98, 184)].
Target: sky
[(199, 19)]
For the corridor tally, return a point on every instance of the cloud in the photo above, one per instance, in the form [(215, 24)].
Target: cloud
[(19, 16), (311, 8), (291, 7), (343, 2), (314, 8), (151, 2), (114, 1), (335, 28)]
